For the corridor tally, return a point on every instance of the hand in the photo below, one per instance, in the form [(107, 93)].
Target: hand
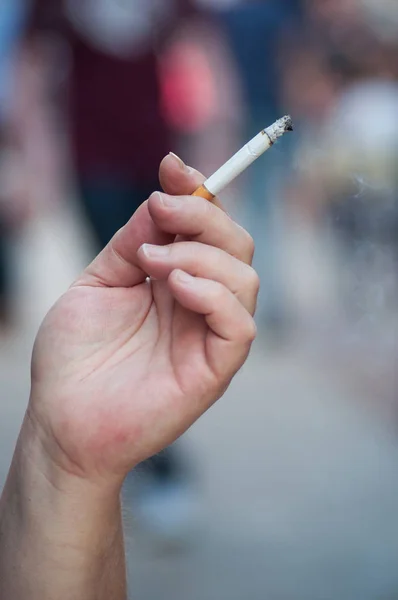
[(124, 364)]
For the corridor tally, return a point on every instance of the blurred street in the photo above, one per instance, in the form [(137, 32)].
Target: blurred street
[(298, 482)]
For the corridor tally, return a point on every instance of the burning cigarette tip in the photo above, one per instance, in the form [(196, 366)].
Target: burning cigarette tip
[(279, 128), (288, 123)]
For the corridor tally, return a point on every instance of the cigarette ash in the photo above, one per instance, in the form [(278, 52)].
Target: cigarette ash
[(279, 128)]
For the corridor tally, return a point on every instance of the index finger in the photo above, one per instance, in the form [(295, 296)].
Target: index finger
[(199, 220)]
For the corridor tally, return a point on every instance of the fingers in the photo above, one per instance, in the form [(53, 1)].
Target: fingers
[(158, 224), (202, 221), (205, 262), (176, 178), (117, 264), (232, 328)]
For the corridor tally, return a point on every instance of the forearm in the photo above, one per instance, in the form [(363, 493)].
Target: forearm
[(60, 537)]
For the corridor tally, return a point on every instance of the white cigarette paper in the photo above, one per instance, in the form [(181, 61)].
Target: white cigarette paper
[(247, 155)]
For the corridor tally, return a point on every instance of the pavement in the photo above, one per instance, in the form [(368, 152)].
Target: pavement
[(297, 476)]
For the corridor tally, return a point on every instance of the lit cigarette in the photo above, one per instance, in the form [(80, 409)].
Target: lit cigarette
[(244, 158)]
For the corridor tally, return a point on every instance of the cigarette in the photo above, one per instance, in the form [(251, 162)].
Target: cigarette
[(244, 158)]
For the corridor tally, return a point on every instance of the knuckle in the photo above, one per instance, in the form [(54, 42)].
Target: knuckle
[(206, 207), (248, 243), (193, 255), (198, 209), (253, 281), (220, 294), (217, 296), (251, 331), (174, 252)]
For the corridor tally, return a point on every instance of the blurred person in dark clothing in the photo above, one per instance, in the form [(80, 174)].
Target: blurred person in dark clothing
[(12, 13), (254, 29), (113, 98), (118, 136)]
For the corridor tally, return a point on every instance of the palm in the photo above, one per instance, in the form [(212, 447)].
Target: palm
[(124, 346)]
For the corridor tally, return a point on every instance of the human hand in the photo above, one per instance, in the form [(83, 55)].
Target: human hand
[(123, 365)]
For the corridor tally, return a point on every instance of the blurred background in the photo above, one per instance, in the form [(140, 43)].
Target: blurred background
[(287, 489)]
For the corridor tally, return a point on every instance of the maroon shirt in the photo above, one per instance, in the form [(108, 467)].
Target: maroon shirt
[(116, 121)]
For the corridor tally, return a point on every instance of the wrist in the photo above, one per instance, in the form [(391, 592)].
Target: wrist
[(49, 500), (53, 522), (71, 445), (39, 459)]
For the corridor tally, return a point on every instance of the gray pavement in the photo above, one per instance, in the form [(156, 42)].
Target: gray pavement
[(298, 482)]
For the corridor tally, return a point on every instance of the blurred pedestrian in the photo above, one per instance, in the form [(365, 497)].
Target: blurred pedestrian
[(341, 83), (12, 14), (118, 136), (254, 29)]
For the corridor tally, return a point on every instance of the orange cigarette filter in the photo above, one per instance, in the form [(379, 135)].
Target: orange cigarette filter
[(203, 192)]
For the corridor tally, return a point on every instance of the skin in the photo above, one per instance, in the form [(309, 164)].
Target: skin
[(122, 366)]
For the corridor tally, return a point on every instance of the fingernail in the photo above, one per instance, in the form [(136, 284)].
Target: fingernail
[(155, 251), (185, 278), (181, 163), (172, 201)]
